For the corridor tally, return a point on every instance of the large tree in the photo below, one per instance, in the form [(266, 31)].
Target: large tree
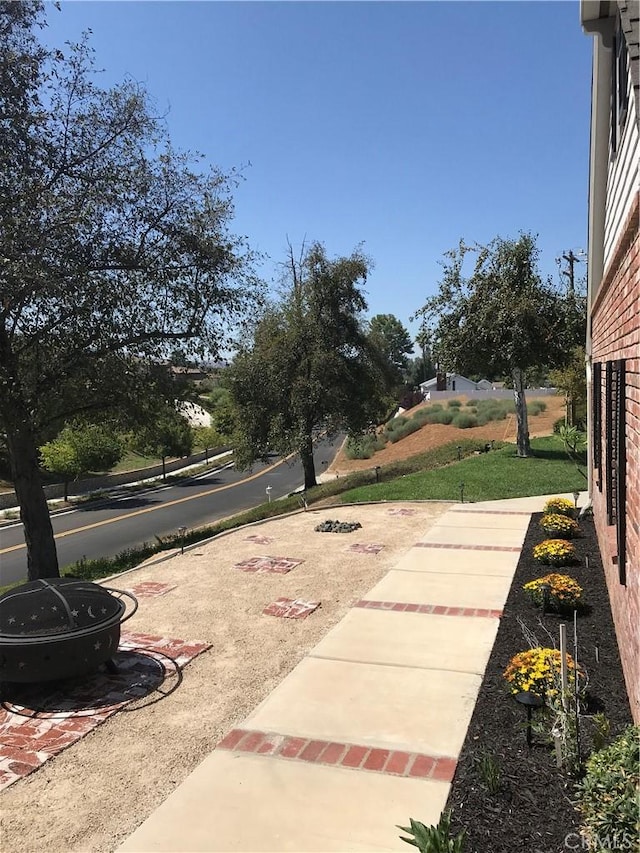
[(392, 338), (114, 250), (502, 318), (311, 366)]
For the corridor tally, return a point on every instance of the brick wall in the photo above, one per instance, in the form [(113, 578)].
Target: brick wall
[(615, 335)]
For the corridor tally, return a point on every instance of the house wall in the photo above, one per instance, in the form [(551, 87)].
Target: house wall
[(614, 316), (615, 335)]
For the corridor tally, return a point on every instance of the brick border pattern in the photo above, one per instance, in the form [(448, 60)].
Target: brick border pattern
[(415, 765), (457, 547), (437, 609), (494, 511)]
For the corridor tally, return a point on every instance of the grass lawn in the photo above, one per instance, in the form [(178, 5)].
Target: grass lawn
[(489, 476)]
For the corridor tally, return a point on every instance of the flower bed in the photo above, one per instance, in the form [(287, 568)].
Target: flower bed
[(558, 526), (509, 798), (561, 592)]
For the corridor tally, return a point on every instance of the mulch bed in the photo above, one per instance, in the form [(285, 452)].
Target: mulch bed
[(533, 810)]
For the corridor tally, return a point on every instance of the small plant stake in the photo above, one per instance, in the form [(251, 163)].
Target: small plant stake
[(564, 677), (461, 493)]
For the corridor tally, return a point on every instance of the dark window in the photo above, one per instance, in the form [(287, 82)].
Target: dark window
[(610, 403), (596, 419), (620, 465), (616, 462)]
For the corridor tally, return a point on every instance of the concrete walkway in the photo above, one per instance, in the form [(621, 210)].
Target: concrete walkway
[(365, 732)]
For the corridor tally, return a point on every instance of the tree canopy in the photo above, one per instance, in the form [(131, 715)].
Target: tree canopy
[(393, 339), (501, 318), (311, 365), (79, 449), (115, 250)]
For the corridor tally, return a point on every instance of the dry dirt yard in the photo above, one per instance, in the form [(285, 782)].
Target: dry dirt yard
[(433, 435), (93, 795)]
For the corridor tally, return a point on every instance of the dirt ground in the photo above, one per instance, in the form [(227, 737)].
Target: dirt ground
[(433, 435), (93, 795)]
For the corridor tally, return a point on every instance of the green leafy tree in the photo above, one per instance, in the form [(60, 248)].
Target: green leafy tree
[(571, 380), (115, 250), (311, 366), (392, 338), (502, 318), (168, 435), (80, 449)]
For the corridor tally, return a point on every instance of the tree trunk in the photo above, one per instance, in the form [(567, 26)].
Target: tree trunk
[(522, 439), (42, 559), (308, 465)]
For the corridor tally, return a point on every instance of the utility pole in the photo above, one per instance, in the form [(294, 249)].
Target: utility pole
[(571, 260)]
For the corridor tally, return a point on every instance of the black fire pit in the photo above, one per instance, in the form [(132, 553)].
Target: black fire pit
[(58, 628)]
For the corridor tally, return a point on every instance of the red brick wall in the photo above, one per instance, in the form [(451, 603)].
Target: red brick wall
[(616, 334)]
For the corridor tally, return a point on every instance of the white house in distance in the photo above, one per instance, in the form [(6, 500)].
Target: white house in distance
[(454, 382)]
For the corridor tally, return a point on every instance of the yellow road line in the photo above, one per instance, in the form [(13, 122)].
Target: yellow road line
[(150, 508)]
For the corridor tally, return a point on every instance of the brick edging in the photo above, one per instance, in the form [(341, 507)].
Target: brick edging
[(395, 762), (467, 547), (437, 609)]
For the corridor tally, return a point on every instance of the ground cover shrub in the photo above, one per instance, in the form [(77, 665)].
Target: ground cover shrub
[(538, 671), (559, 506), (363, 446), (421, 416), (555, 552), (406, 429), (465, 421), (454, 404), (558, 526), (609, 802), (536, 406), (443, 417), (395, 423), (562, 592)]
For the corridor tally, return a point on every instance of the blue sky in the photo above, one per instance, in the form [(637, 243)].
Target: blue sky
[(405, 126)]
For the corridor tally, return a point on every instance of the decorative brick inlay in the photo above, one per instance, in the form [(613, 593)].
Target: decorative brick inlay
[(361, 548), (493, 511), (437, 609), (49, 719), (402, 511), (512, 548), (268, 565), (150, 589), (354, 756), (259, 540), (290, 608)]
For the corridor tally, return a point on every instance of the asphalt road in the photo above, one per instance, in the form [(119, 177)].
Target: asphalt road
[(102, 530)]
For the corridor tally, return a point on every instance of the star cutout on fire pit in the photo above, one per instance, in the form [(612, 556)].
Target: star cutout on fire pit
[(97, 645), (34, 616), (74, 612)]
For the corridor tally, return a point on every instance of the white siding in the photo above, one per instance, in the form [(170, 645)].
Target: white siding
[(622, 180)]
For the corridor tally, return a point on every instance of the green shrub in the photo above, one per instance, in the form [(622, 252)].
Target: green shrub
[(465, 421), (395, 423), (434, 839), (454, 404), (557, 425), (403, 431), (609, 794), (363, 446), (442, 417), (422, 416), (536, 406)]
